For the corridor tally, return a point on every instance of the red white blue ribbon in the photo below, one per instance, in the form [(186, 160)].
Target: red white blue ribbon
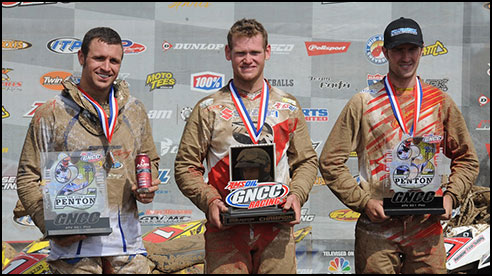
[(254, 133), (418, 95), (108, 124)]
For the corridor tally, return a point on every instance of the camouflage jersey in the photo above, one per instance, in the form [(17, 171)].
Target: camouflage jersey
[(70, 123), (215, 125), (368, 126)]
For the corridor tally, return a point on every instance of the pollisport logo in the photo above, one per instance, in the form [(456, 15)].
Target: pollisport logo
[(339, 264), (326, 48)]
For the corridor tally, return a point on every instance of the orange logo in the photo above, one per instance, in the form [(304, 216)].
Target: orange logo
[(344, 215), (53, 80)]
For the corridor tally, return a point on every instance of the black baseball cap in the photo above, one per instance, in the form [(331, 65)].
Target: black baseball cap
[(403, 30)]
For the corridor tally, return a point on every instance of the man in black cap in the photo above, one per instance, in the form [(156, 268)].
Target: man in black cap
[(380, 118)]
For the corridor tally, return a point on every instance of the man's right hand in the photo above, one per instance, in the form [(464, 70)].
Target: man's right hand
[(375, 211), (66, 241), (214, 209)]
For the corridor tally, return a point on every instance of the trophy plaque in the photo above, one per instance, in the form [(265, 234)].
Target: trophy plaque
[(74, 194), (414, 170), (254, 195)]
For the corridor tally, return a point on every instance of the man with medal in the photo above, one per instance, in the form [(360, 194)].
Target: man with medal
[(400, 127), (246, 112), (98, 119)]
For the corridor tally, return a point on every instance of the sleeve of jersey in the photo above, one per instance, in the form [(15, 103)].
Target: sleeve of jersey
[(303, 160), (188, 166), (39, 138), (344, 138), (459, 148)]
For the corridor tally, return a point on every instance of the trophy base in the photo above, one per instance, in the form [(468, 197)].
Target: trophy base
[(92, 232), (60, 227), (403, 209), (260, 215)]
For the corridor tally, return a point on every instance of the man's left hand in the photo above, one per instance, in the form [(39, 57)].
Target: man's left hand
[(148, 196), (447, 203), (293, 202)]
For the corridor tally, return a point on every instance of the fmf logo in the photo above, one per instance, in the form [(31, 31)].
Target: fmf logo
[(53, 80), (256, 195), (15, 45), (344, 215), (160, 80), (207, 81), (326, 48)]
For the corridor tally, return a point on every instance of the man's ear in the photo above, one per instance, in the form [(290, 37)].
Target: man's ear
[(227, 53), (81, 57)]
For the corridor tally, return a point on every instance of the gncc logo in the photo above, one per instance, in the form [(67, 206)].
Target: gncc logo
[(250, 194)]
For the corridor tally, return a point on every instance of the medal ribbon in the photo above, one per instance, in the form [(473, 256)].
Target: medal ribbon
[(418, 95), (254, 133), (108, 124)]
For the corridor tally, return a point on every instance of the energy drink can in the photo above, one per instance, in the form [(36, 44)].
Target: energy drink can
[(144, 175)]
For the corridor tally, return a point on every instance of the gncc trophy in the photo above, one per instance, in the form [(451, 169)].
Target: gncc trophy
[(414, 170), (254, 196), (74, 193)]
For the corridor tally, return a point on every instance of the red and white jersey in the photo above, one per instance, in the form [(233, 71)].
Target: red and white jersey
[(367, 125), (215, 125)]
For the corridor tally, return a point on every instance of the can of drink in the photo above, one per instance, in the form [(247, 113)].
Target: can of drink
[(144, 174)]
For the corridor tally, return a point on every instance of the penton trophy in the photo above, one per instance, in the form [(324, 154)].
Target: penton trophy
[(74, 193), (414, 170)]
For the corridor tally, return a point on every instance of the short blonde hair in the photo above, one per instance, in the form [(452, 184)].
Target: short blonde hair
[(248, 28)]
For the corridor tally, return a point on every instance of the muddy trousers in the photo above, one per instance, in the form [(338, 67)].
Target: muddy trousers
[(130, 264), (402, 244), (251, 248)]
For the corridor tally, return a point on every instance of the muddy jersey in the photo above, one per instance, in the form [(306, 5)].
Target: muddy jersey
[(215, 125), (70, 123), (367, 125)]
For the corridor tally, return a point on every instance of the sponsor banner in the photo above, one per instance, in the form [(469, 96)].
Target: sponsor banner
[(207, 81), (53, 80), (10, 44), (374, 49), (160, 80), (326, 48), (344, 215)]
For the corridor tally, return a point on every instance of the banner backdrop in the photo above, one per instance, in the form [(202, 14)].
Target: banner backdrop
[(322, 53)]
